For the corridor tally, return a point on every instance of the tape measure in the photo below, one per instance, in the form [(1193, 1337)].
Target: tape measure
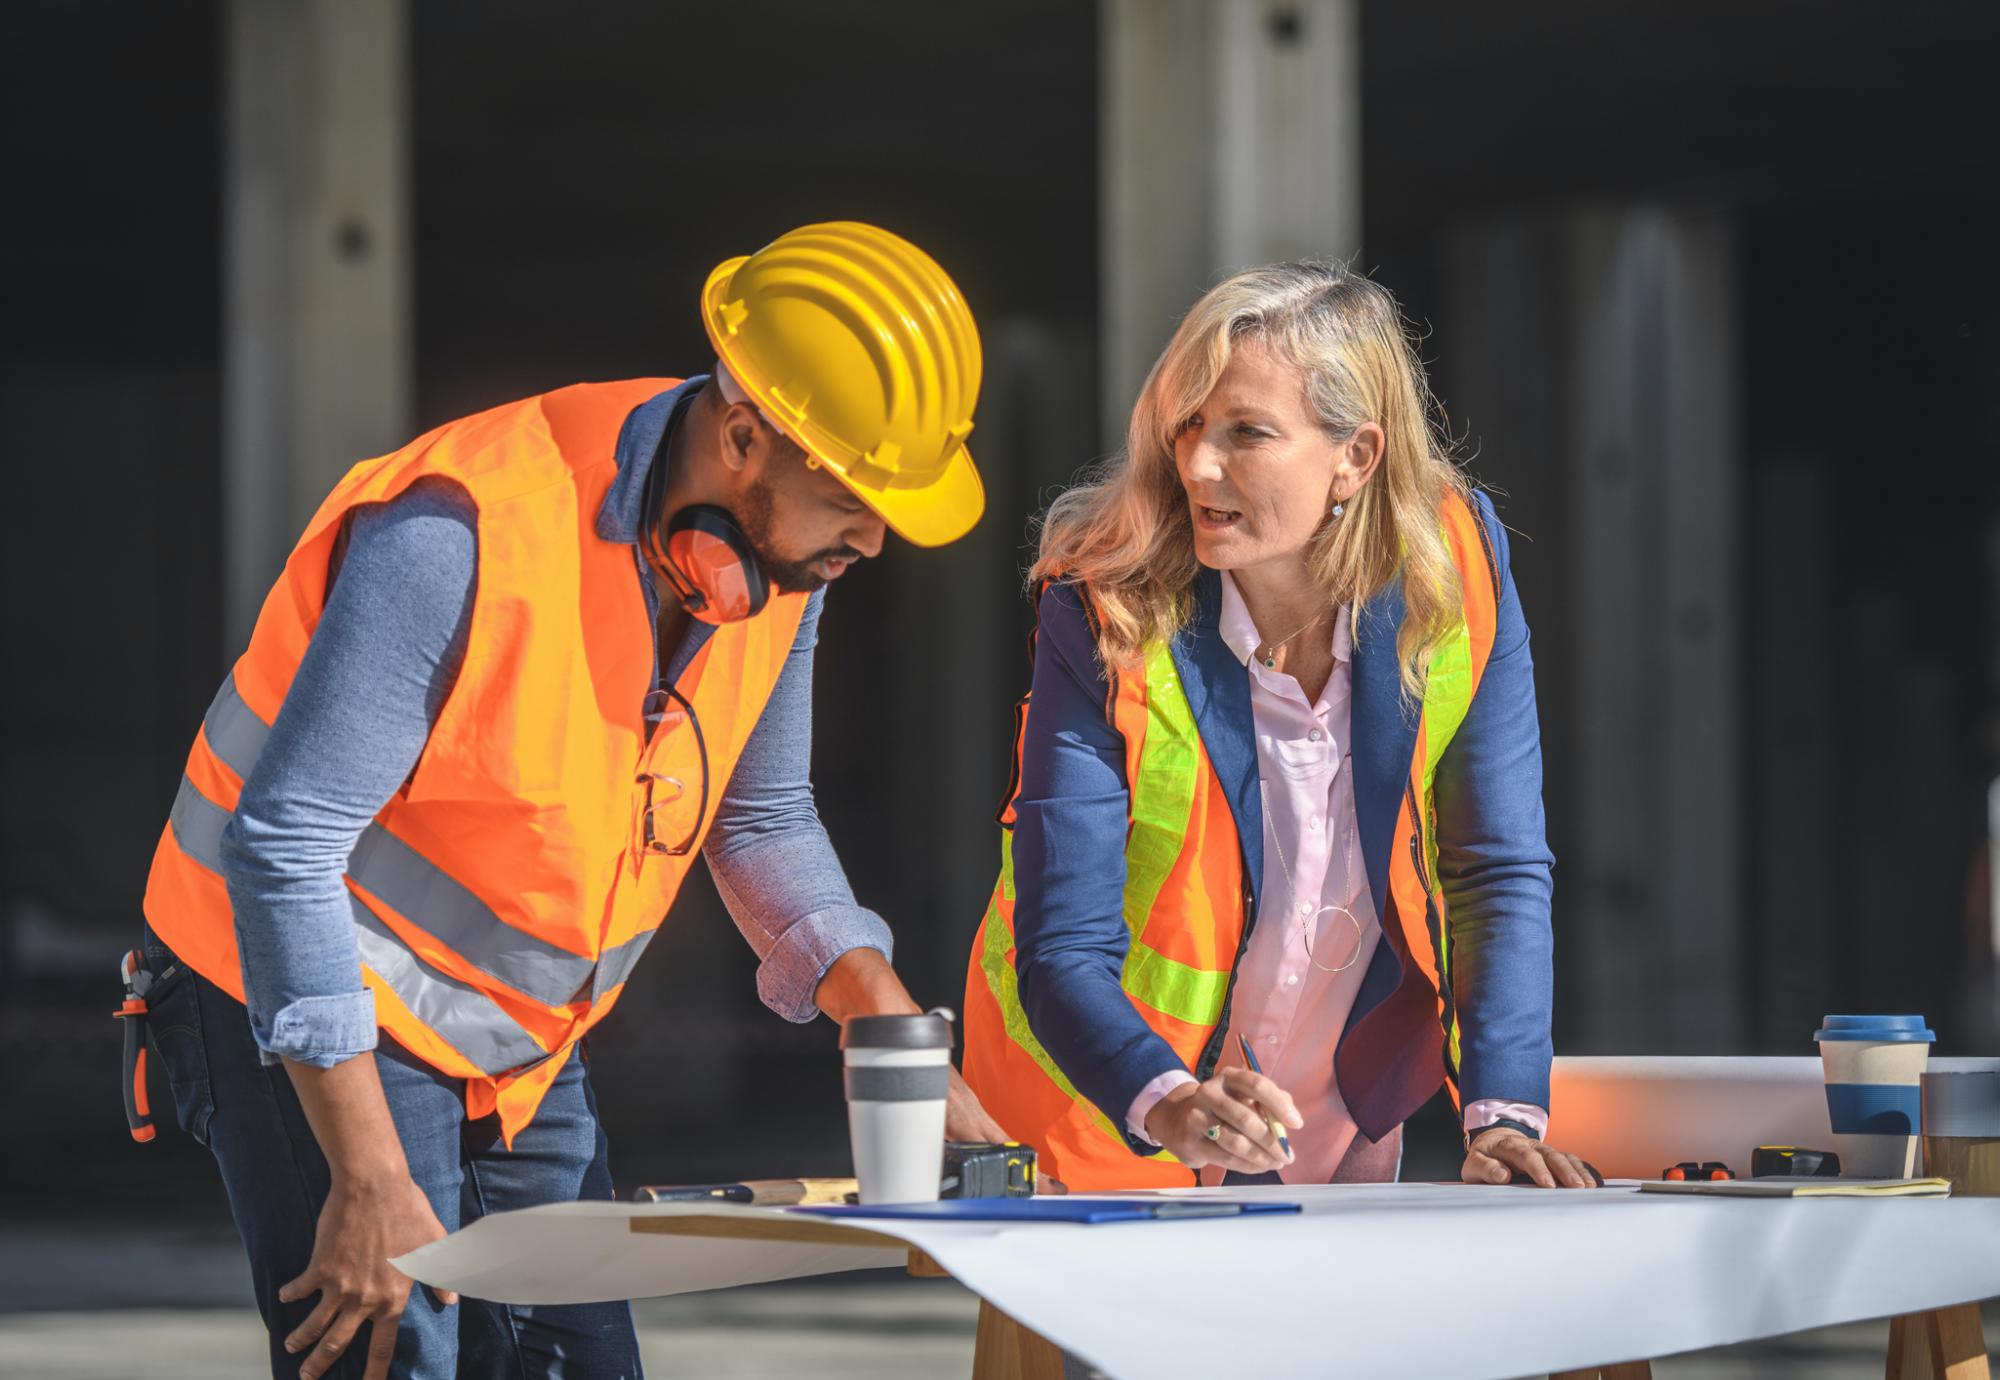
[(986, 1169), (1790, 1161)]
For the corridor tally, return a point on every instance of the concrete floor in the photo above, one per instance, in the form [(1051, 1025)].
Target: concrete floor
[(98, 1303)]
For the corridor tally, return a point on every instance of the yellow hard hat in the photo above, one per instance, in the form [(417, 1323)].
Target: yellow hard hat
[(857, 346)]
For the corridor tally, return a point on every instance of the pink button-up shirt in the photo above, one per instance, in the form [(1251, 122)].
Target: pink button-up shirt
[(1315, 894)]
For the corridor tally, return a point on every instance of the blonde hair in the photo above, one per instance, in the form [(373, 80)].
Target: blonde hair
[(1126, 533)]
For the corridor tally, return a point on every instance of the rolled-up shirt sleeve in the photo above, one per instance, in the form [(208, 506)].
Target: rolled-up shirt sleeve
[(770, 856), (385, 653)]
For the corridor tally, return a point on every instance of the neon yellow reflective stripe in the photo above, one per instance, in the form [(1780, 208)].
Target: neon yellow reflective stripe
[(1447, 696), (1174, 989), (1163, 793), (1447, 699), (1005, 985), (1162, 801)]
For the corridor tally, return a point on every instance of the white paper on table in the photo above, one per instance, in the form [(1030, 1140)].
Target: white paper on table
[(588, 1252), (1370, 1280)]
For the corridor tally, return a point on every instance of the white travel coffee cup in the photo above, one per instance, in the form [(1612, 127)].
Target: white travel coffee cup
[(898, 1073), (1873, 1067)]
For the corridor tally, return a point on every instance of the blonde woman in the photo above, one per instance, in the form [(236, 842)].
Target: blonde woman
[(1278, 782)]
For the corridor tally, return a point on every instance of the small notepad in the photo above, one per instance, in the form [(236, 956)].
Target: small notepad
[(1802, 1186)]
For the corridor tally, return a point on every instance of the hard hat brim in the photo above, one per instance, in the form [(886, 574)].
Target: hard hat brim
[(939, 513)]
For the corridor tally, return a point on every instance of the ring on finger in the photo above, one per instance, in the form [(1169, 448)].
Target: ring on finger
[(1214, 1131)]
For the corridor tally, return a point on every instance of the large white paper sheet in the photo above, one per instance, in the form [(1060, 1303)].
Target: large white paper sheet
[(588, 1252), (1430, 1280)]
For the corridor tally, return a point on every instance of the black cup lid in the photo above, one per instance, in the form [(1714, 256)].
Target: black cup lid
[(932, 1030)]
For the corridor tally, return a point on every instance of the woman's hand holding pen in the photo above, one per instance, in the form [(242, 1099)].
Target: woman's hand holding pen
[(1239, 1108)]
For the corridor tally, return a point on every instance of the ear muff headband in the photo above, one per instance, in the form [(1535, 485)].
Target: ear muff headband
[(710, 564)]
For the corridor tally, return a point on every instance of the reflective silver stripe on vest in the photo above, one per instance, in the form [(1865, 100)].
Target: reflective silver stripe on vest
[(618, 962), (197, 823), (491, 1040), (234, 732), (385, 866), (466, 1018), (233, 729)]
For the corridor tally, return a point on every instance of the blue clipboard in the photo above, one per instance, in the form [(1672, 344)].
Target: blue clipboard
[(1057, 1208)]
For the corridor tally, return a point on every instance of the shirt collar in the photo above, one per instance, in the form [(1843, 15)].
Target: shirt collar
[(642, 442), (1239, 630)]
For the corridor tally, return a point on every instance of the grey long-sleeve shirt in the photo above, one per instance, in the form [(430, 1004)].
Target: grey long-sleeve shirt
[(388, 647)]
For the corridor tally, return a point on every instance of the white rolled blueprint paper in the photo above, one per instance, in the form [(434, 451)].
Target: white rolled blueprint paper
[(1591, 1276)]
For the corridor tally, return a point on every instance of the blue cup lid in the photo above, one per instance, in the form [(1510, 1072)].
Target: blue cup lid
[(1882, 1029)]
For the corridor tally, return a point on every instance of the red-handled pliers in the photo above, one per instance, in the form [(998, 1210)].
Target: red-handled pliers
[(138, 1116)]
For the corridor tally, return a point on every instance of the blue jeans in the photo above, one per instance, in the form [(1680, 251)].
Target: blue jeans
[(248, 1115)]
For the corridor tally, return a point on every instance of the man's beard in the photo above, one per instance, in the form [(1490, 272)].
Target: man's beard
[(756, 515)]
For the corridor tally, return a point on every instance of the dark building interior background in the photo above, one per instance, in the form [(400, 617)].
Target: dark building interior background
[(1764, 592)]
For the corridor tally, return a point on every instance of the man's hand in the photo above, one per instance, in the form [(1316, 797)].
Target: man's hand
[(375, 1210), (1496, 1154), (360, 1228), (1239, 1104), (965, 1119), (861, 983)]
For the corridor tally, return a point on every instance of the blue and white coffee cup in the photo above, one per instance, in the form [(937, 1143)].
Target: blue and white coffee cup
[(1874, 1068)]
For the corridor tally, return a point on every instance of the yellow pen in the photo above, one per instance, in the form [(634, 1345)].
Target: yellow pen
[(1277, 1126)]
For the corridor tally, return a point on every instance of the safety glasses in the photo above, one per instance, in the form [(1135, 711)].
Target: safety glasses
[(667, 809)]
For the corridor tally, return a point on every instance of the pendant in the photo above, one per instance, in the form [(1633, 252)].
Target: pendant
[(1271, 661), (1306, 932)]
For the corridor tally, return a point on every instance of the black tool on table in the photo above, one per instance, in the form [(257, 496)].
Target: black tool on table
[(1704, 1170), (987, 1169), (1793, 1161)]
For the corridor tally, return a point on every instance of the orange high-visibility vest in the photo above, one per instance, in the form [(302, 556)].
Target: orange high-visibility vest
[(1186, 897), (501, 897)]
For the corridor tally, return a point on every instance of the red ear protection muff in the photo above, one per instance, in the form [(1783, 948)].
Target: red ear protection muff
[(710, 564)]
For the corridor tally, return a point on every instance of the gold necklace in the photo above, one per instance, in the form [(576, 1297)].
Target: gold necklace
[(1270, 657), (1292, 894)]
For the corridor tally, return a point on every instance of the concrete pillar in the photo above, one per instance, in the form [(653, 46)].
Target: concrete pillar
[(317, 355), (1592, 358), (1794, 751), (1230, 136), (1656, 489)]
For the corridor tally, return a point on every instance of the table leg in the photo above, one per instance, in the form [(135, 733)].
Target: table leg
[(1943, 1344), (1005, 1350), (922, 1266)]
